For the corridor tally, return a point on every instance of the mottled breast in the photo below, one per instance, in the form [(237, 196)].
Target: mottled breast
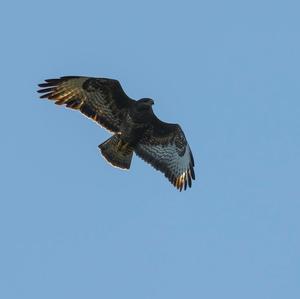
[(132, 130)]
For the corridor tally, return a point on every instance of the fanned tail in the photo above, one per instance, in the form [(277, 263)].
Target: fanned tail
[(116, 152)]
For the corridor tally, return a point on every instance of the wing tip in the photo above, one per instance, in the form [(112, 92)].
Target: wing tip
[(55, 81), (183, 181)]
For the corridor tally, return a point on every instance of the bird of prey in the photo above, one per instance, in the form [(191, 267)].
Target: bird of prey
[(133, 123)]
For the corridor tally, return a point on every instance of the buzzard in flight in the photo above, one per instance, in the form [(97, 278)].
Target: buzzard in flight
[(133, 123)]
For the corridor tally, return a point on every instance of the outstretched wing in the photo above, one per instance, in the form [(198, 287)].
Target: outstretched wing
[(165, 147), (101, 99)]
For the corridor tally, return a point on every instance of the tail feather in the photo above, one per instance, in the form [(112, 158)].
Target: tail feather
[(116, 152)]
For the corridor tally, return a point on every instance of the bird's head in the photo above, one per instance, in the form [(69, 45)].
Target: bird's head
[(146, 102)]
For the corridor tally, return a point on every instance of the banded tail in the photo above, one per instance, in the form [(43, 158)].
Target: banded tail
[(116, 152)]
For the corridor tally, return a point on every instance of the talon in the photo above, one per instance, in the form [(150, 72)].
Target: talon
[(119, 144), (124, 147)]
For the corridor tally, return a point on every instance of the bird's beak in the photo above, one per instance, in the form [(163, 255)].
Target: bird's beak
[(151, 102)]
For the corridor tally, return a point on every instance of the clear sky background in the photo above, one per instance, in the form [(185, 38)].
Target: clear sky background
[(71, 226)]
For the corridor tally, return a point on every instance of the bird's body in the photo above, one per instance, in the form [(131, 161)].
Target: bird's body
[(134, 124)]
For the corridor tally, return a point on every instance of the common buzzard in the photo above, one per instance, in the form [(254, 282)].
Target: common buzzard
[(133, 123)]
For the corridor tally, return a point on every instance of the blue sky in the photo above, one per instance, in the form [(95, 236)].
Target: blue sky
[(71, 226)]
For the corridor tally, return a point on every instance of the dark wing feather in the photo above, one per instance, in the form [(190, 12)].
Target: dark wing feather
[(101, 99), (165, 147)]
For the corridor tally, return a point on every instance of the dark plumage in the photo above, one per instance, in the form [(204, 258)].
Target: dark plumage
[(135, 126)]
